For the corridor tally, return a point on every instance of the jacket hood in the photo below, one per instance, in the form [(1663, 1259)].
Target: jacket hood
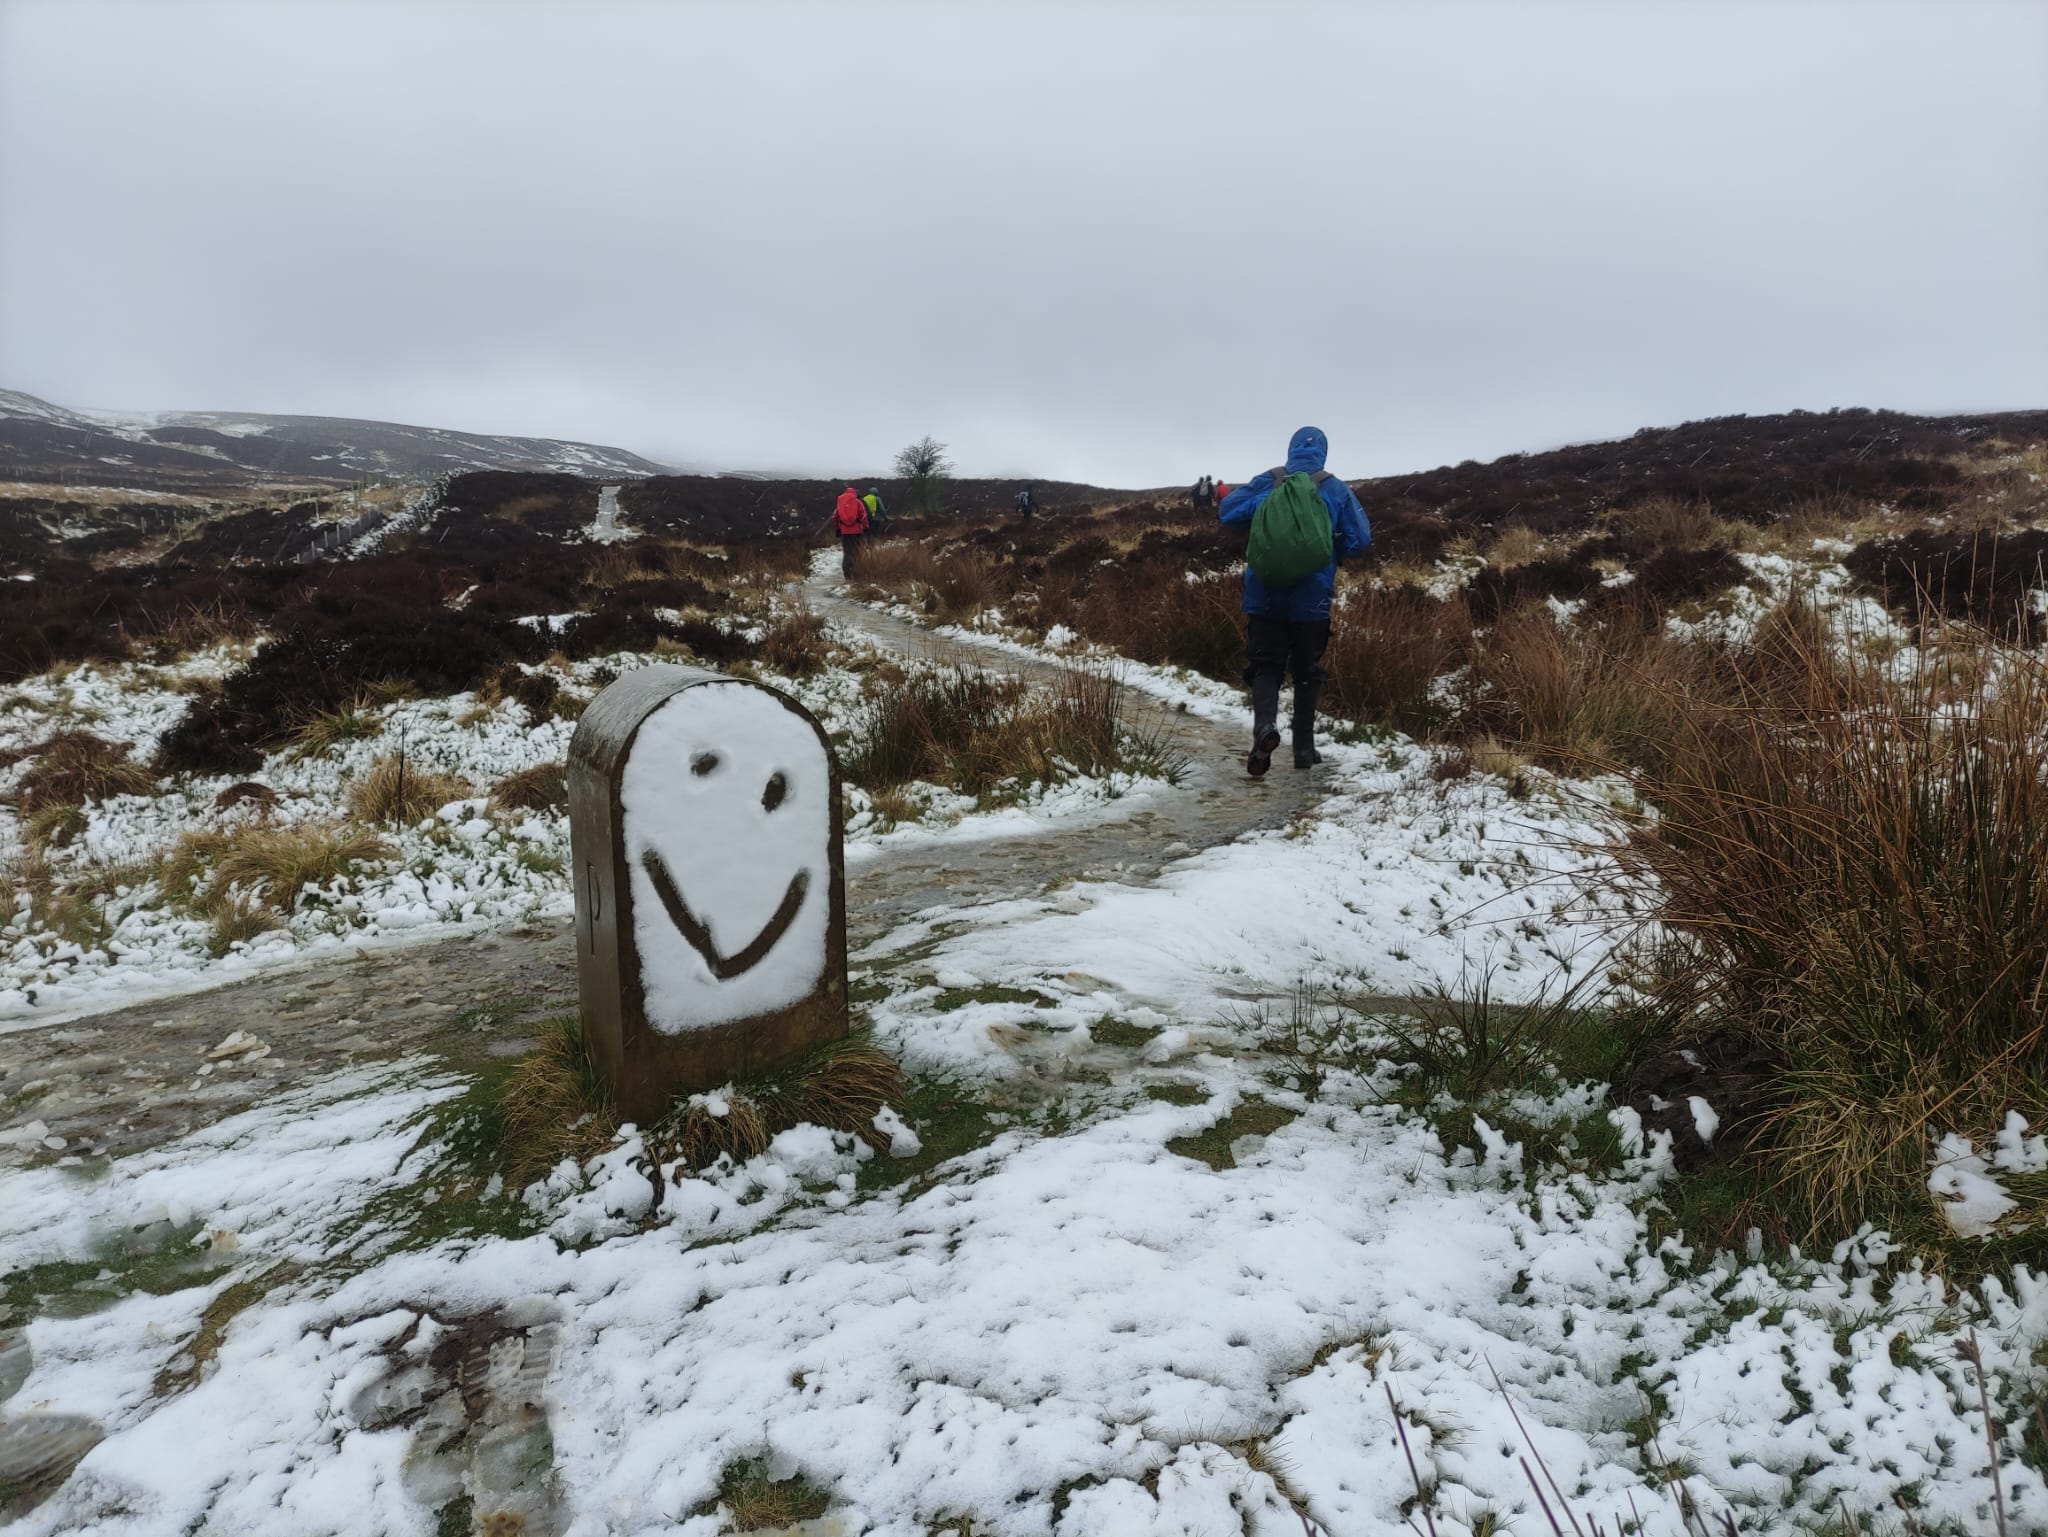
[(1307, 450)]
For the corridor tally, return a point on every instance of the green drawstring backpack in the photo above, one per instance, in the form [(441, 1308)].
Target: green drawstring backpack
[(1291, 536)]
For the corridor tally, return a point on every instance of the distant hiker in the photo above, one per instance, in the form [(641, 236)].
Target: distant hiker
[(878, 515), (851, 518), (1219, 491), (1026, 504), (1303, 521), (1203, 494)]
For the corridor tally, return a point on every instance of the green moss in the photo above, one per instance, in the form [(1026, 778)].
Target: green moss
[(960, 997), (1176, 1093), (446, 1198), (948, 1122), (457, 1518), (1253, 1117), (1121, 1032), (158, 1260), (1713, 1209), (1586, 1143)]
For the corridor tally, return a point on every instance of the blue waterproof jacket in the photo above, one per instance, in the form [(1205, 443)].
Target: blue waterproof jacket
[(1350, 533)]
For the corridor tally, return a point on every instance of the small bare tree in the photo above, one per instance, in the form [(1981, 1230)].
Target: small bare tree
[(924, 466)]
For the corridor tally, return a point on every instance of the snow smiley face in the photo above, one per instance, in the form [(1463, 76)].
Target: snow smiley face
[(726, 807)]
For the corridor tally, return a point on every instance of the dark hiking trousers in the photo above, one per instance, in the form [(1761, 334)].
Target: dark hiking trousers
[(1281, 647), (849, 551)]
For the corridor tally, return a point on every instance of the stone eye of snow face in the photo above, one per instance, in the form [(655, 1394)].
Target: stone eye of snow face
[(727, 826)]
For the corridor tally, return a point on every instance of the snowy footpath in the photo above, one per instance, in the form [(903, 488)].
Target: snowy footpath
[(1137, 1262)]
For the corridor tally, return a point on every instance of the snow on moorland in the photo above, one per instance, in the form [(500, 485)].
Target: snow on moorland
[(1115, 1313), (1067, 1332), (467, 867)]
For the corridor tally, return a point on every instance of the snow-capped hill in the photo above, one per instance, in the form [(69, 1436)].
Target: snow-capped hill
[(39, 440)]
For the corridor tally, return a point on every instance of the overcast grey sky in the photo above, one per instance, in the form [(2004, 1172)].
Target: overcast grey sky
[(1128, 243)]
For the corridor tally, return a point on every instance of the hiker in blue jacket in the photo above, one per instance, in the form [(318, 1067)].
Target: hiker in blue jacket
[(1290, 626)]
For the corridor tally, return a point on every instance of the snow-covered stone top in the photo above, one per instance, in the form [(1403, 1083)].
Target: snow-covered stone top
[(725, 801)]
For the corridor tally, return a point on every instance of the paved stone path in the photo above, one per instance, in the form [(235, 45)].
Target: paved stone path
[(116, 1082)]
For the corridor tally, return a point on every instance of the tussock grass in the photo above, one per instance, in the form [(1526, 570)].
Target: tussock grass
[(395, 790), (1388, 647), (892, 804), (617, 566), (554, 1105), (198, 627), (72, 913), (1583, 696), (245, 880), (977, 732), (947, 584), (275, 864), (73, 768), (1156, 616), (1517, 545), (319, 732), (841, 1086), (1467, 1043), (236, 918), (796, 645), (1490, 755), (1859, 882), (1670, 523), (544, 787), (54, 825), (1826, 515)]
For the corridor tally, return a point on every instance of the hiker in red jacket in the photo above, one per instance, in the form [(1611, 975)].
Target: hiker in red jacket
[(851, 519)]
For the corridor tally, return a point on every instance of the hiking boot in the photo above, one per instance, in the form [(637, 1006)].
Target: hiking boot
[(1260, 758), (1304, 725), (1265, 725)]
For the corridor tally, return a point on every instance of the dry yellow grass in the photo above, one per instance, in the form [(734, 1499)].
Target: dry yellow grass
[(796, 645), (275, 864), (1517, 545), (1583, 696), (893, 804), (544, 787), (1668, 523), (319, 732), (54, 825), (74, 767), (1490, 755), (840, 1086), (397, 791), (617, 567), (554, 1106), (1394, 574)]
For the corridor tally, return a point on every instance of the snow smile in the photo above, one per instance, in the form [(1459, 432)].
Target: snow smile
[(724, 967)]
